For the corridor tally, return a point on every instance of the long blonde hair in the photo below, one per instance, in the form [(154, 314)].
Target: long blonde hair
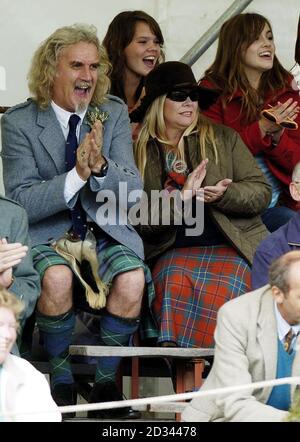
[(154, 127), (44, 63)]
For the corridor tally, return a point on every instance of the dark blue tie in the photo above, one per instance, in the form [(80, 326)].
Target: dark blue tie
[(78, 215)]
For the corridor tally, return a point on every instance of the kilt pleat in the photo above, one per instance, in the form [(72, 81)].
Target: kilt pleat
[(115, 258)]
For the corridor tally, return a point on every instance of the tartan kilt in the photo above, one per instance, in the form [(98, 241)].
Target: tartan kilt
[(114, 259), (191, 284)]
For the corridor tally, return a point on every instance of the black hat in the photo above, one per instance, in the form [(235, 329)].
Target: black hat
[(169, 76)]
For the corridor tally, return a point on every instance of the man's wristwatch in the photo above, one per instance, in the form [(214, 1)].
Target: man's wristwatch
[(102, 172)]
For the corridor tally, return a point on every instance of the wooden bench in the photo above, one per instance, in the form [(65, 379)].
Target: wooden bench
[(180, 356)]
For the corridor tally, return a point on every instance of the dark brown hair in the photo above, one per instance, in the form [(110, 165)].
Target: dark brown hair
[(227, 72), (119, 35)]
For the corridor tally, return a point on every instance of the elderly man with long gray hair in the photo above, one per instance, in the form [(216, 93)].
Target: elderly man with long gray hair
[(64, 150)]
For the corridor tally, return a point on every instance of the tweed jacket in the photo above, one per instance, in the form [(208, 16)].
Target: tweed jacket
[(14, 227), (246, 351), (33, 153), (237, 213), (23, 388)]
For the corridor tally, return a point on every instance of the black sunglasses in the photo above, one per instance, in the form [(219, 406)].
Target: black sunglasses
[(182, 95)]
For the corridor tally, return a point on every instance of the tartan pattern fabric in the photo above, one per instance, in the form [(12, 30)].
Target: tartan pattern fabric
[(191, 285), (114, 258), (118, 332), (45, 256), (57, 334)]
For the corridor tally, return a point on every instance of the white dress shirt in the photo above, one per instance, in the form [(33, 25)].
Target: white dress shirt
[(283, 327)]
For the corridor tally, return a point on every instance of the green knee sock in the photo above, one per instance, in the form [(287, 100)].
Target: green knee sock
[(114, 331), (57, 332)]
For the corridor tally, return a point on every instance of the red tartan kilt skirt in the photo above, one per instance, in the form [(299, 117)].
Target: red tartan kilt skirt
[(191, 285)]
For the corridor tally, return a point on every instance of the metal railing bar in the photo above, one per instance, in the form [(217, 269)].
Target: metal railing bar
[(212, 33)]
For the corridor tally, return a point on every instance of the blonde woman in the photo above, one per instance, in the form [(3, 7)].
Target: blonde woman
[(23, 389), (178, 149)]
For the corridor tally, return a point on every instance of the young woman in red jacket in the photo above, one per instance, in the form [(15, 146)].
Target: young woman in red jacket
[(259, 100)]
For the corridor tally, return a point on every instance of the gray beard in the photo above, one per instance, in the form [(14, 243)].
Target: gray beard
[(81, 107)]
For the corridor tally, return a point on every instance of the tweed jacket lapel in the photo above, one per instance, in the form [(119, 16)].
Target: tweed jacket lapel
[(52, 137), (268, 337)]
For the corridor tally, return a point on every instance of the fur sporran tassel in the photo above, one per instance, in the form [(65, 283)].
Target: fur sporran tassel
[(75, 252)]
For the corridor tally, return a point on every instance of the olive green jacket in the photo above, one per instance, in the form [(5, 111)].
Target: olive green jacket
[(237, 213)]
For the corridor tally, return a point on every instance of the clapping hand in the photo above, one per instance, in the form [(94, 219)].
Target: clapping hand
[(281, 112), (96, 159), (194, 181), (214, 193), (10, 256), (89, 153)]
